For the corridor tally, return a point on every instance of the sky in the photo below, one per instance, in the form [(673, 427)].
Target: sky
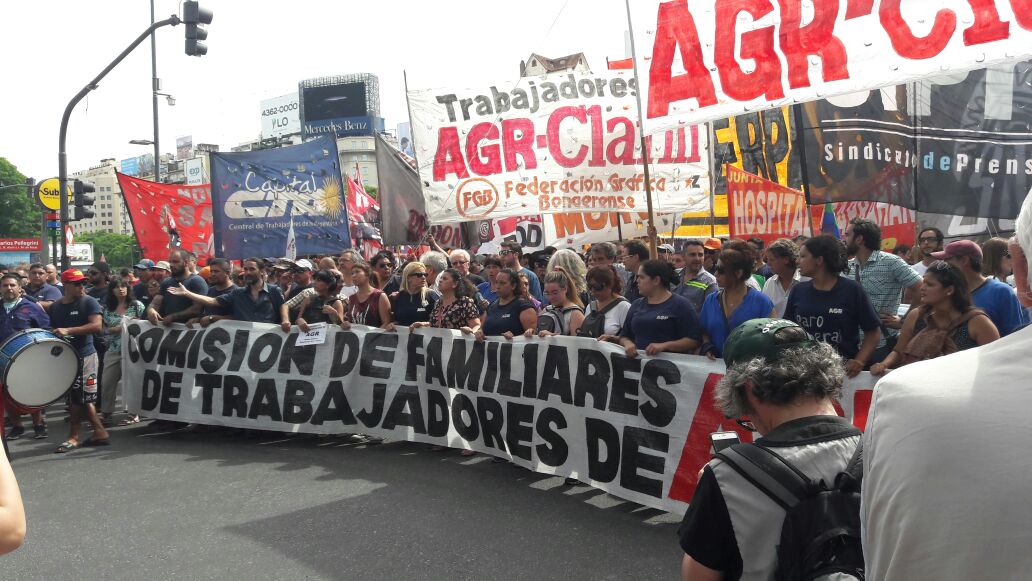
[(259, 49)]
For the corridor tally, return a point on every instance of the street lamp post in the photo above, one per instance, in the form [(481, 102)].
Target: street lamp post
[(155, 87)]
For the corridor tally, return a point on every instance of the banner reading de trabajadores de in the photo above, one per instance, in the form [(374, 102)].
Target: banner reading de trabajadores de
[(258, 195)]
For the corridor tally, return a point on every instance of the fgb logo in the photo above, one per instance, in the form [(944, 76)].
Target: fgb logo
[(475, 198)]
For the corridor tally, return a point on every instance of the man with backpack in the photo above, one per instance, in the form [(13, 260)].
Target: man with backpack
[(786, 506)]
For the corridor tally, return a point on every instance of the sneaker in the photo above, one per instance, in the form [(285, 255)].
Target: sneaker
[(41, 431), (16, 432)]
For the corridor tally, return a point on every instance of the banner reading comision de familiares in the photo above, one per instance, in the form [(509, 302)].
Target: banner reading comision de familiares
[(637, 428), (707, 59), (258, 195), (565, 143), (150, 205)]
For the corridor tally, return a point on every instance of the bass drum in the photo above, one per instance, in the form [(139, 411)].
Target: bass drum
[(38, 367)]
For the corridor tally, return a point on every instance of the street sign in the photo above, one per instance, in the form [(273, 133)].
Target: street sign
[(55, 224), (69, 237), (46, 194), (52, 216)]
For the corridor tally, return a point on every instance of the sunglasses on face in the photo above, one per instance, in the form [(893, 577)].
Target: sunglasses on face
[(506, 252), (419, 274)]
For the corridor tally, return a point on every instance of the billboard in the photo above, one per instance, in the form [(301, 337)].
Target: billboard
[(340, 106), (80, 253), (195, 171), (281, 116), (131, 166), (184, 147), (405, 139)]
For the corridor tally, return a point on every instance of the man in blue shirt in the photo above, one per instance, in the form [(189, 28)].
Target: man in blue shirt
[(510, 254), (21, 314), (996, 298), (38, 288)]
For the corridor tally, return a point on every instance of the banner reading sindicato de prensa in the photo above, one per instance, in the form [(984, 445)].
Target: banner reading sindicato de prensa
[(564, 143)]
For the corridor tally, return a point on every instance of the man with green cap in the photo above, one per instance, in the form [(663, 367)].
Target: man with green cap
[(785, 382)]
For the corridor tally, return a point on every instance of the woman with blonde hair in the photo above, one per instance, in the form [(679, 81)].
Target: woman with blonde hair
[(574, 265), (996, 260), (415, 300), (565, 311)]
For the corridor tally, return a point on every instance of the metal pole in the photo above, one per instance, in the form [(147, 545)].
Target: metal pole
[(653, 250), (62, 140), (154, 95)]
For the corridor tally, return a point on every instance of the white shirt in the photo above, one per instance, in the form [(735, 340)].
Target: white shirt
[(777, 293), (614, 318), (947, 492), (919, 267)]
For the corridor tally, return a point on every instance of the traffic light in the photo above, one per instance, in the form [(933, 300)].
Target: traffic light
[(194, 16), (82, 200)]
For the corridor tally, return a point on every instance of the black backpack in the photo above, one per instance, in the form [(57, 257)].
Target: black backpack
[(594, 324), (553, 320), (820, 536)]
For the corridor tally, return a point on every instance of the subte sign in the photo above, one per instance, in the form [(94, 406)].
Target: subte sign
[(47, 196)]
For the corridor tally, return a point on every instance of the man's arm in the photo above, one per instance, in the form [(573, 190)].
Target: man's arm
[(94, 326), (692, 570), (12, 511), (154, 309), (185, 315)]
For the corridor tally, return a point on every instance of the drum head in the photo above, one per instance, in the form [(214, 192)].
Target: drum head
[(39, 374)]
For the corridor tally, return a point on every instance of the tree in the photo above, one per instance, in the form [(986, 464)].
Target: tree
[(371, 190), (19, 215), (120, 250)]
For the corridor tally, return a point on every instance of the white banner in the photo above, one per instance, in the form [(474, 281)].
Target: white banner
[(565, 143), (710, 59), (568, 230), (636, 428), (281, 116)]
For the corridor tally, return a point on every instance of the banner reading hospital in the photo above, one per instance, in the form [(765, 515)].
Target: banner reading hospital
[(707, 59), (566, 143), (258, 196)]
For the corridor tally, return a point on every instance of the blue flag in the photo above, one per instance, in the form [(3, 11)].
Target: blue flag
[(828, 223), (257, 195)]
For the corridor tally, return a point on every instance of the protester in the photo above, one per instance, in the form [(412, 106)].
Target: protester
[(929, 240), (39, 289), (456, 308), (539, 264), (604, 254), (712, 247), (256, 302), (605, 315), (761, 272), (574, 266), (492, 266), (52, 278), (782, 256), (128, 276), (345, 264), (460, 261), (302, 271), (665, 253), (219, 283), (12, 511), (787, 385), (99, 277), (696, 284), (996, 298), (634, 254), (565, 311), (659, 321), (800, 239), (153, 289), (736, 302), (525, 282), (435, 263), (143, 276), (171, 307), (382, 273), (511, 313), (283, 276), (77, 317), (415, 301), (320, 306), (369, 305), (946, 459), (511, 253), (20, 314), (884, 277), (945, 323), (996, 261), (905, 252), (832, 308), (118, 306)]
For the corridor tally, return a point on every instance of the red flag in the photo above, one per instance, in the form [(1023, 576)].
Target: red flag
[(621, 65), (759, 208), (154, 208)]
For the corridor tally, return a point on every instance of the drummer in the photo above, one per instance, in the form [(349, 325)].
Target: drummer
[(20, 314), (76, 317)]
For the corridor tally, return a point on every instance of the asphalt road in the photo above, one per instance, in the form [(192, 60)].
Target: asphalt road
[(180, 505)]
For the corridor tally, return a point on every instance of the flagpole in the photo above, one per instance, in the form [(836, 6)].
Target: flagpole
[(800, 144), (712, 134), (653, 250)]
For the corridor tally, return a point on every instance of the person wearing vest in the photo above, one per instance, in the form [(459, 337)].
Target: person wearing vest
[(945, 323), (786, 383)]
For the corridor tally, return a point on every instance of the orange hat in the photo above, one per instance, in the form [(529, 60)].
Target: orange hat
[(713, 244), (72, 275), (205, 272)]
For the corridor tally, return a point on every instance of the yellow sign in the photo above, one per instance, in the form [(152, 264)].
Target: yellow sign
[(47, 190)]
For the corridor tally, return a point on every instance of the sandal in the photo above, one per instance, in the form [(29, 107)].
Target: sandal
[(94, 442), (129, 421), (468, 453), (67, 446)]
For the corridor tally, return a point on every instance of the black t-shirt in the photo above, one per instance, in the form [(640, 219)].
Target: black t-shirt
[(394, 285), (170, 303), (99, 293), (140, 292), (410, 308), (836, 316), (477, 280), (501, 318), (215, 293), (76, 314), (313, 312), (670, 320)]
